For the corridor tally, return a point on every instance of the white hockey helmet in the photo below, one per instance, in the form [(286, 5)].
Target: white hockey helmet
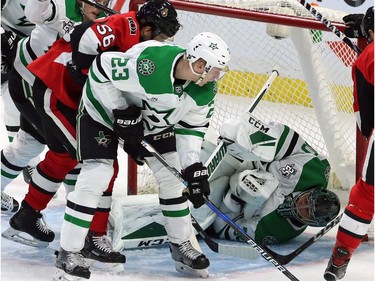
[(211, 48)]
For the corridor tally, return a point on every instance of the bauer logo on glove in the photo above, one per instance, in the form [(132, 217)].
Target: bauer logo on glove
[(126, 123), (196, 176)]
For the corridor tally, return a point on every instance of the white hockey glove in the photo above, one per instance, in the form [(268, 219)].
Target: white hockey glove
[(250, 139), (250, 189)]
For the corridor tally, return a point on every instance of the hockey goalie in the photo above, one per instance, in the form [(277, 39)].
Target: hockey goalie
[(271, 182)]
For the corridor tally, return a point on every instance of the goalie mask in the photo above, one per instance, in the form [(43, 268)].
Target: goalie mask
[(315, 207), (160, 15), (211, 48)]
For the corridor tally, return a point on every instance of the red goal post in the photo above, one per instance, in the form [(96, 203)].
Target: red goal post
[(313, 94)]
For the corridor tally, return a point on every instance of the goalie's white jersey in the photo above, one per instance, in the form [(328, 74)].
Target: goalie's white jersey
[(263, 186), (143, 76)]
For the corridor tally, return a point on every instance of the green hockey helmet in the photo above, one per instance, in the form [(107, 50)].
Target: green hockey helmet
[(315, 207)]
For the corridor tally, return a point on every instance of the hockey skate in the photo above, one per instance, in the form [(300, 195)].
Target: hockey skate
[(99, 254), (9, 205), (70, 267), (28, 222), (337, 264), (189, 260)]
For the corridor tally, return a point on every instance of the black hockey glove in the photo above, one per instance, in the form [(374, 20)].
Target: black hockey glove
[(8, 50), (197, 177), (128, 125), (76, 73), (353, 25)]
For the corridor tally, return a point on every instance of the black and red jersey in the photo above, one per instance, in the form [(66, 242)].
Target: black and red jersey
[(363, 78), (117, 32)]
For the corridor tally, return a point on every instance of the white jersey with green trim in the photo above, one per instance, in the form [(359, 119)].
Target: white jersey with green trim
[(143, 76), (13, 18), (56, 18)]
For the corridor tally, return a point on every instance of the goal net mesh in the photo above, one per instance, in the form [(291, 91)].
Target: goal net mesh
[(312, 95)]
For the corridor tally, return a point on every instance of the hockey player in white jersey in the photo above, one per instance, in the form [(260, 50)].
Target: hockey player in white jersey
[(14, 26), (53, 19), (159, 92)]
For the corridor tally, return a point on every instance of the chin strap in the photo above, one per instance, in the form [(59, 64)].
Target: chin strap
[(201, 76)]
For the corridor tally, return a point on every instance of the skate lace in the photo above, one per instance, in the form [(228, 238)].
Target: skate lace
[(6, 201), (76, 259), (188, 250), (42, 225), (102, 243)]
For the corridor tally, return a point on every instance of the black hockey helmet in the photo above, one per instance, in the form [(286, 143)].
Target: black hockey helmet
[(314, 207), (368, 23), (160, 15)]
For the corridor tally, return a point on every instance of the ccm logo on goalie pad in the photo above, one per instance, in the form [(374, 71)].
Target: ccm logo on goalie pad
[(258, 125)]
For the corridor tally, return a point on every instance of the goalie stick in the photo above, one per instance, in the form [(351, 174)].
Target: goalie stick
[(284, 259), (237, 228), (330, 26), (211, 164)]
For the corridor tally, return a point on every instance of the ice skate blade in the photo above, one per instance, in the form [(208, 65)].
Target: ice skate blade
[(23, 238), (8, 212), (103, 266), (61, 275), (183, 268)]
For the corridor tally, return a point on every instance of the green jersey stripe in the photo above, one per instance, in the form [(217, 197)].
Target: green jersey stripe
[(189, 132)]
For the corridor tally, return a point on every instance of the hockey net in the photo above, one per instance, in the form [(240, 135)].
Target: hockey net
[(312, 95)]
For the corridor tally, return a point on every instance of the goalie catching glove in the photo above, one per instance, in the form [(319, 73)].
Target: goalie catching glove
[(196, 176), (128, 125)]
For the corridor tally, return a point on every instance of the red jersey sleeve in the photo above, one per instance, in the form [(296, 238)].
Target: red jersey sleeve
[(363, 90)]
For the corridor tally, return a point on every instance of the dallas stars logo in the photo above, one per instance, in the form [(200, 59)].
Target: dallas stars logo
[(213, 46), (103, 139), (155, 118), (146, 67), (288, 170)]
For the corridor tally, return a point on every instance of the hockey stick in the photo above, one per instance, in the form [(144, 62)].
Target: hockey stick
[(284, 259), (239, 251), (216, 157), (101, 7), (237, 228), (330, 26)]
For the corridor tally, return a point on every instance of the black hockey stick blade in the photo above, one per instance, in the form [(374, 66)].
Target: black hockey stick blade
[(285, 259)]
